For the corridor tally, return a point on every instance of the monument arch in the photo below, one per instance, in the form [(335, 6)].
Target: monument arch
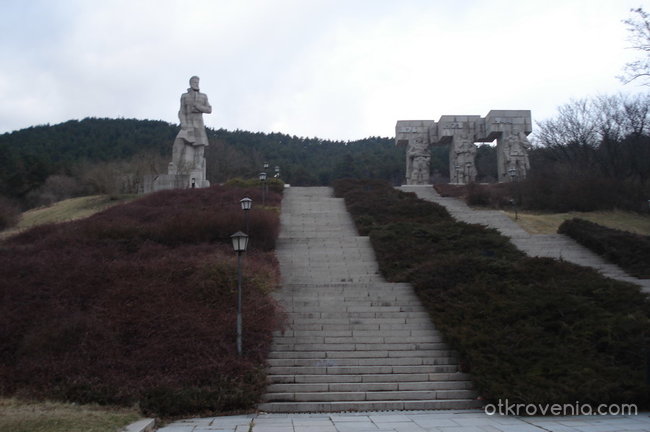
[(509, 128)]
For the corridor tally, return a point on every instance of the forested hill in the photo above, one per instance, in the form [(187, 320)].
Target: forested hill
[(29, 157)]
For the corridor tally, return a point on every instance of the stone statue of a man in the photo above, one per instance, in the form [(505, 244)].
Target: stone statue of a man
[(418, 162), (189, 145), (516, 154), (465, 154)]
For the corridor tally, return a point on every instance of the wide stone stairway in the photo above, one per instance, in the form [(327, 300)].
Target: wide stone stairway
[(354, 342)]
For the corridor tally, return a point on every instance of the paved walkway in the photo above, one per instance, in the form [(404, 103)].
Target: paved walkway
[(543, 245), (411, 421)]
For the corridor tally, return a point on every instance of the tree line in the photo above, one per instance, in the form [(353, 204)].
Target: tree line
[(42, 164)]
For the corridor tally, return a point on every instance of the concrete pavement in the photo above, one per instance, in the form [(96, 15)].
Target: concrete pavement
[(411, 421)]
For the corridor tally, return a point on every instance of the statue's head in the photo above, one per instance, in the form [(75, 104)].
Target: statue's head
[(194, 83)]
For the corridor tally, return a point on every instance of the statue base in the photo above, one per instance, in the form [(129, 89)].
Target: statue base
[(155, 183)]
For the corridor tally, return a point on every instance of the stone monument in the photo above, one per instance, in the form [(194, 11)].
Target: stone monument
[(414, 135), (515, 155), (187, 167), (508, 127), (463, 155)]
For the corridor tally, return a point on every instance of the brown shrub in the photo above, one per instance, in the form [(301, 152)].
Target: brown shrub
[(138, 304), (9, 213)]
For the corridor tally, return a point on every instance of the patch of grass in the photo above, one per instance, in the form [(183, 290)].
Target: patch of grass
[(548, 223), (64, 211), (30, 416), (530, 330)]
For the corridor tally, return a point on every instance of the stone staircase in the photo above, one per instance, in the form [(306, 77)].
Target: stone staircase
[(354, 342)]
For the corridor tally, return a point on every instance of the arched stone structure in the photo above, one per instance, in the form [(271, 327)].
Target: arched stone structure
[(508, 127)]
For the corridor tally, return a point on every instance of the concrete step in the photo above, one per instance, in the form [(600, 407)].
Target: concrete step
[(385, 315), (357, 333), (315, 325), (381, 361), (370, 396), (335, 304), (403, 321), (361, 370), (343, 309), (326, 288), (360, 354), (298, 340), (372, 378), (358, 406), (426, 346), (369, 387)]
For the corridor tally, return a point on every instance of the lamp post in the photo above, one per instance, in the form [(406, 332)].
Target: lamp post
[(246, 204), (457, 173), (239, 244), (468, 167), (263, 180), (513, 177)]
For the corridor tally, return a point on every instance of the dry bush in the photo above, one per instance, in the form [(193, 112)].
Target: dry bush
[(137, 304), (9, 213)]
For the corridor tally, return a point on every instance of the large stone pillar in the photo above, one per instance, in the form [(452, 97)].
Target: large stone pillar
[(414, 136), (510, 128), (460, 132)]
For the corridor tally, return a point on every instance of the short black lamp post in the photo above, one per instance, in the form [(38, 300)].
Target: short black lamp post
[(246, 204), (457, 173), (239, 244), (513, 178), (263, 180)]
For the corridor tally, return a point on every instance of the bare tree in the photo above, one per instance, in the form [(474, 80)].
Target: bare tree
[(586, 122), (606, 134), (638, 27)]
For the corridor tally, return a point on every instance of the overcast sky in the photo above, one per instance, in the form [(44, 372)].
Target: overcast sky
[(334, 69)]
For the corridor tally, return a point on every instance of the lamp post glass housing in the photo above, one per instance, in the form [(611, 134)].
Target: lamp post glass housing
[(239, 241), (246, 203)]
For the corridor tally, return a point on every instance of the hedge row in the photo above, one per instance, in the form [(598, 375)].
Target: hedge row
[(628, 250), (530, 330), (137, 304)]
